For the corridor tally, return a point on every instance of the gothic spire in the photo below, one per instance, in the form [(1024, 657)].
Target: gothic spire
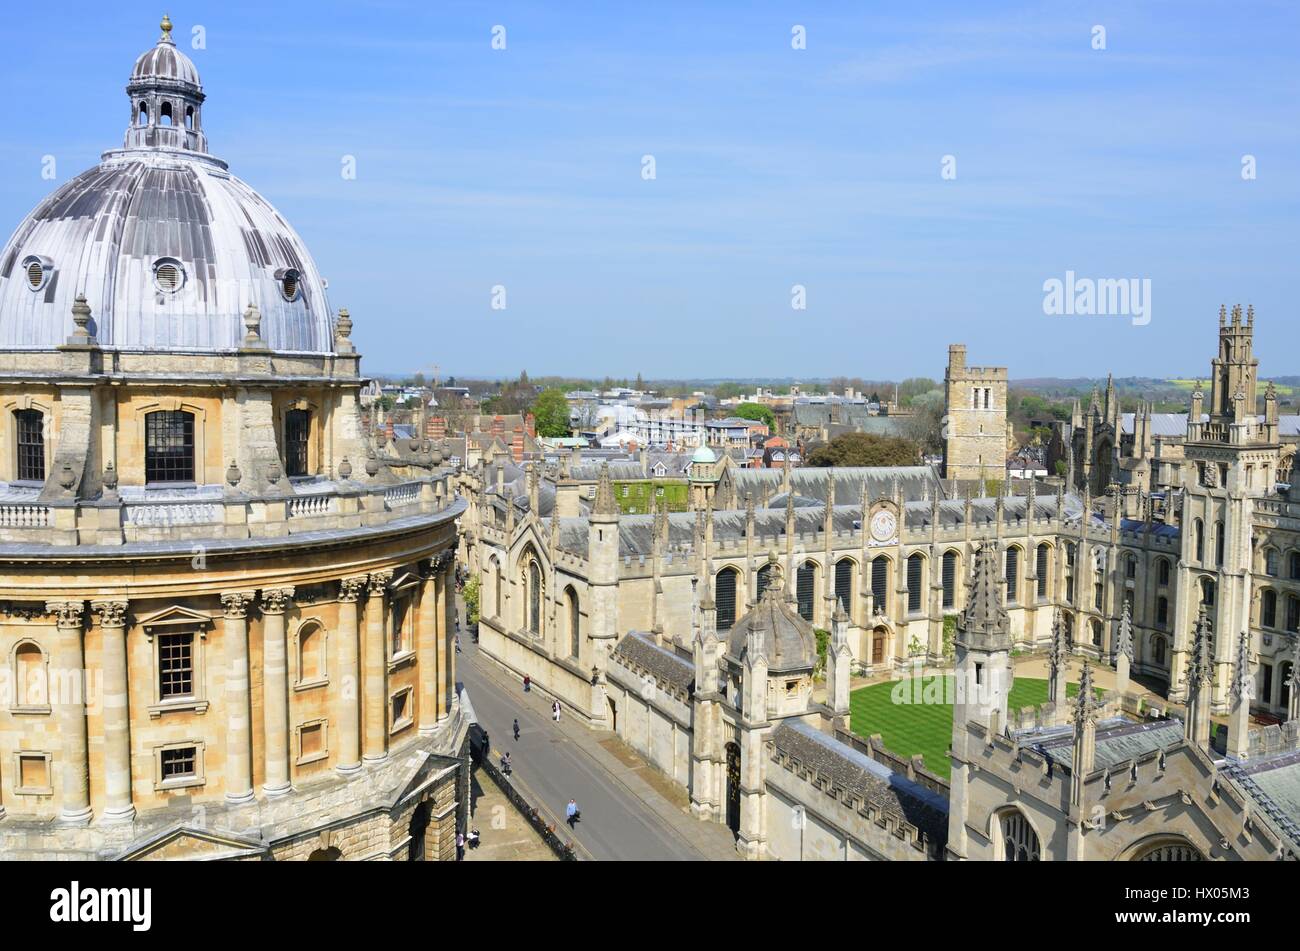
[(1201, 668), (1242, 682), (1086, 704), (984, 622), (1124, 638), (604, 504)]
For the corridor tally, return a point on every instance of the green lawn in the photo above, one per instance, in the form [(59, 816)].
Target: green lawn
[(926, 727)]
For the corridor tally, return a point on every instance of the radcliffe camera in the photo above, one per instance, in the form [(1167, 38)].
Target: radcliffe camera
[(570, 433)]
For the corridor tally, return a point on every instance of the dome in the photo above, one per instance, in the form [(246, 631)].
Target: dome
[(167, 245), (789, 642), (704, 455)]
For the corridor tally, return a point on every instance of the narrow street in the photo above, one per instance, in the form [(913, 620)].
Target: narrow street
[(623, 817)]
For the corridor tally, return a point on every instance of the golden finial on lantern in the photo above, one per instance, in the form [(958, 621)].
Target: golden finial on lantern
[(166, 28)]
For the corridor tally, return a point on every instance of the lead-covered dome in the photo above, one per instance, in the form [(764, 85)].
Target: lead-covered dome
[(168, 247)]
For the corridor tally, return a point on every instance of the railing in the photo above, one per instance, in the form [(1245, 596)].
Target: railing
[(173, 513), (24, 516), (310, 506), (401, 495)]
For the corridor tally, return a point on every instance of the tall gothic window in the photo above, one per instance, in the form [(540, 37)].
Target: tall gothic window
[(297, 427), (804, 589), (949, 578), (1013, 575), (915, 582), (31, 445), (1218, 544), (725, 598), (169, 446), (575, 626), (880, 583), (1042, 569), (1268, 608), (1164, 571), (534, 597), (1019, 840), (1199, 528), (844, 584)]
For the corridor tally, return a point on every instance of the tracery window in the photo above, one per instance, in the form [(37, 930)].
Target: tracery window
[(1019, 840)]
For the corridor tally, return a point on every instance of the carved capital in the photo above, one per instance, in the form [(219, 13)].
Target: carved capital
[(236, 603), (111, 613), (350, 588), (69, 612), (378, 581), (276, 600)]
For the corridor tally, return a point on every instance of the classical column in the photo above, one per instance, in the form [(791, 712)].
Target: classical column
[(376, 668), (350, 675), (447, 637), (117, 732), (426, 649), (275, 690), (239, 714), (71, 712)]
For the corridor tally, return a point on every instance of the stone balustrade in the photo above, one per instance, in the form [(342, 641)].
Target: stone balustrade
[(205, 512)]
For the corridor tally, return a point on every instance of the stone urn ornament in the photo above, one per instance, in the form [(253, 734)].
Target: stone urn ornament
[(110, 478), (345, 469), (233, 475), (67, 478), (372, 466), (273, 473)]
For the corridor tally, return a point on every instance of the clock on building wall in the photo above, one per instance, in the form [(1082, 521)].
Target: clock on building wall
[(883, 524)]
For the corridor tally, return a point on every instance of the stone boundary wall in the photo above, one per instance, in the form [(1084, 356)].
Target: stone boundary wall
[(529, 812)]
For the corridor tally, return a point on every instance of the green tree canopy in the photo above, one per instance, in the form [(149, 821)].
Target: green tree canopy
[(865, 449), (551, 411), (757, 412)]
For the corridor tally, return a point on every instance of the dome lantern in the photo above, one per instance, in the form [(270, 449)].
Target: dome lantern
[(166, 99)]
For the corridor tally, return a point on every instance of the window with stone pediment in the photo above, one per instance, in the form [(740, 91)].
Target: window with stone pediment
[(178, 638)]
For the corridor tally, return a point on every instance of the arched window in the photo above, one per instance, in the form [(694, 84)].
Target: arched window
[(1293, 564), (805, 585), (1162, 571), (169, 446), (949, 569), (1130, 566), (1198, 529), (297, 430), (1067, 622), (142, 118), (1095, 624), (915, 582), (1019, 840), (189, 117), (494, 571), (31, 686), (575, 621), (165, 114), (1268, 608), (1169, 850), (1162, 612), (1292, 613), (1013, 575), (725, 598), (1219, 533), (534, 600), (880, 583), (844, 584), (1271, 562), (1207, 592), (1158, 648), (29, 425), (765, 576), (1043, 569), (1284, 684), (311, 652)]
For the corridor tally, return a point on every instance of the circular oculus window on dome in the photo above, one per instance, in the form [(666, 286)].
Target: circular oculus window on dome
[(290, 282), (37, 270), (168, 275)]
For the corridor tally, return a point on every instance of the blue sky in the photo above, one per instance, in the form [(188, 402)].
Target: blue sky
[(821, 167)]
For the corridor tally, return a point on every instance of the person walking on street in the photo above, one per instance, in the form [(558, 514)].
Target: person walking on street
[(555, 711), (505, 764), (571, 815), (528, 683), (516, 728), (460, 846)]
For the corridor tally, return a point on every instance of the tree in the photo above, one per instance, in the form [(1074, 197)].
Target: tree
[(925, 426), (471, 594), (757, 412), (865, 449), (551, 413)]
